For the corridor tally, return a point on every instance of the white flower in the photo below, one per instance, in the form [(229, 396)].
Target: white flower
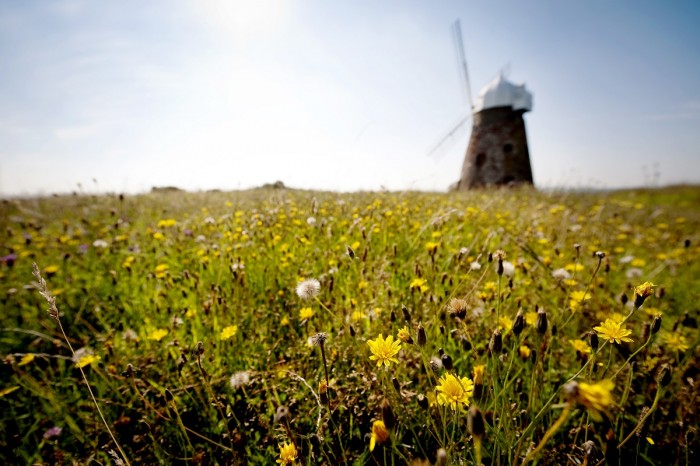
[(308, 288), (508, 268), (100, 243), (475, 266), (239, 379), (626, 259), (561, 274), (311, 221), (634, 272)]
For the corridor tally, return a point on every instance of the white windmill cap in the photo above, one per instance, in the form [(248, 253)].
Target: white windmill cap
[(502, 93)]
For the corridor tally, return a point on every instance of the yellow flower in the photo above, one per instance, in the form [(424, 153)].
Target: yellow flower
[(169, 222), (431, 246), (574, 267), (576, 299), (454, 392), (675, 341), (288, 453), (161, 270), (531, 318), (26, 359), (524, 352), (597, 397), (506, 323), (86, 360), (419, 283), (229, 332), (384, 351), (51, 269), (357, 316), (479, 374), (613, 331), (284, 322), (305, 313), (580, 346), (157, 334), (405, 335), (380, 434), (642, 292)]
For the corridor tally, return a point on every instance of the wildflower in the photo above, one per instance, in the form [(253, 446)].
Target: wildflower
[(157, 334), (561, 274), (475, 266), (26, 359), (675, 341), (580, 346), (419, 283), (305, 313), (576, 299), (642, 292), (508, 268), (431, 246), (541, 322), (161, 270), (319, 339), (596, 398), (405, 335), (86, 360), (613, 331), (457, 308), (54, 431), (166, 223), (284, 321), (478, 372), (384, 351), (100, 243), (380, 434), (229, 331), (239, 379), (308, 289), (505, 323), (454, 392), (524, 352), (51, 270), (288, 453)]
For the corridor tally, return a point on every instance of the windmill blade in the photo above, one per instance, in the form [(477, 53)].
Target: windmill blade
[(458, 127), (461, 59)]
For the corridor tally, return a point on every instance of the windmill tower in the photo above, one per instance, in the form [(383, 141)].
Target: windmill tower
[(497, 153)]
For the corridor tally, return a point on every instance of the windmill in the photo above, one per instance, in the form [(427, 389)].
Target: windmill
[(497, 153)]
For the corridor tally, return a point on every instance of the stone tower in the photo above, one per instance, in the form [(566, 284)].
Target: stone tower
[(497, 153)]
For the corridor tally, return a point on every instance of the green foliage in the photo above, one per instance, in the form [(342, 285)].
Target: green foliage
[(140, 281)]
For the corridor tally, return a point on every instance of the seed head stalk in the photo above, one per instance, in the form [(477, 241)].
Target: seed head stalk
[(53, 312)]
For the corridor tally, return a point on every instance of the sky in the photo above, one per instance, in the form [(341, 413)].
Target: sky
[(120, 96)]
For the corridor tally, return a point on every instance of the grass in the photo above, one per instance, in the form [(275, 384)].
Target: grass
[(181, 316)]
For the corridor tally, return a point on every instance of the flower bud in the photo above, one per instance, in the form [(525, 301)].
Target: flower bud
[(406, 314), (446, 361), (655, 325), (396, 384), (422, 401), (388, 415), (421, 338), (593, 340), (663, 377), (475, 422), (441, 457), (541, 322), (518, 323), (496, 343)]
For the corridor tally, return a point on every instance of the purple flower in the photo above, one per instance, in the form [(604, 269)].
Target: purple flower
[(52, 432), (9, 259)]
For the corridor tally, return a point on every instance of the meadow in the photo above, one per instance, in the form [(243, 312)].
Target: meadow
[(277, 326)]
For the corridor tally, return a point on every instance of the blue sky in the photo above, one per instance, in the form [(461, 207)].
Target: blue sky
[(337, 95)]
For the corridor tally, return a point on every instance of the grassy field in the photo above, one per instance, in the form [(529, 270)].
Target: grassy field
[(498, 327)]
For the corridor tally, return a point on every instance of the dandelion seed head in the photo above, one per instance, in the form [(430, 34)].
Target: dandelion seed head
[(308, 289)]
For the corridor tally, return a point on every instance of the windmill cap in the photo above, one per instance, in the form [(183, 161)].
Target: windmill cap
[(502, 93)]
